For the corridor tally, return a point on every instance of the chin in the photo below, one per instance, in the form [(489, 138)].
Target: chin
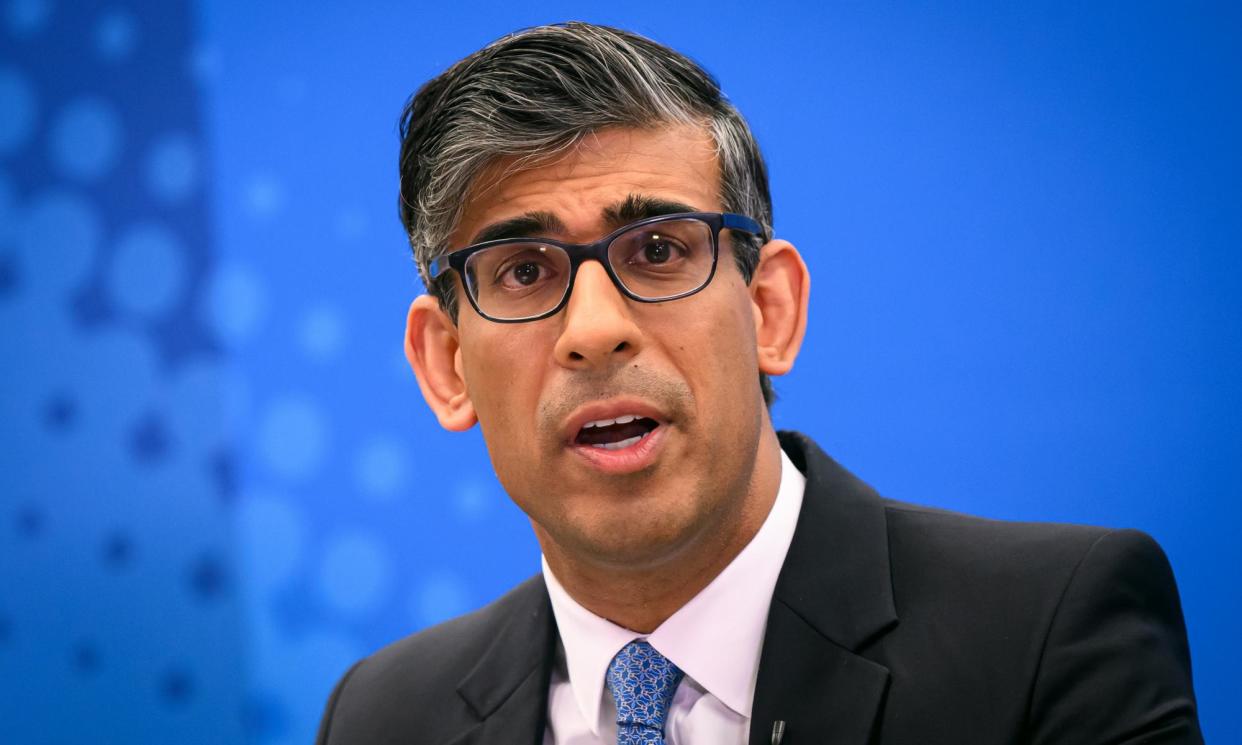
[(636, 538)]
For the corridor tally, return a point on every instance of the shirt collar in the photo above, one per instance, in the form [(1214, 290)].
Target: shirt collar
[(721, 656)]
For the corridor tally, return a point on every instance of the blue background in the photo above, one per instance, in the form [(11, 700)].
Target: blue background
[(220, 484)]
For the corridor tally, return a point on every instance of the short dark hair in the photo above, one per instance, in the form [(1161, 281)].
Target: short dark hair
[(538, 92)]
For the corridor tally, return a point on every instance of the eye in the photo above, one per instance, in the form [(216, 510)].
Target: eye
[(657, 248), (526, 273), (657, 252), (526, 269)]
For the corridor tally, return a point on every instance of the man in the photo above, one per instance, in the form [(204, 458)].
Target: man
[(592, 220)]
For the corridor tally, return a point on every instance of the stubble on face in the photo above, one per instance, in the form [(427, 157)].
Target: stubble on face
[(697, 366), (619, 531)]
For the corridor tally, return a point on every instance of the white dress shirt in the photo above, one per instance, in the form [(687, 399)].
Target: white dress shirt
[(715, 639)]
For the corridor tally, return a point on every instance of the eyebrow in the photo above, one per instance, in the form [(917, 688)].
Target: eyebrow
[(528, 225), (637, 207), (542, 223)]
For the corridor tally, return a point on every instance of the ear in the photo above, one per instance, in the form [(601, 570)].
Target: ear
[(779, 292), (431, 346)]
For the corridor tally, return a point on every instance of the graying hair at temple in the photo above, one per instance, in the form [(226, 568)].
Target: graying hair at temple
[(536, 93)]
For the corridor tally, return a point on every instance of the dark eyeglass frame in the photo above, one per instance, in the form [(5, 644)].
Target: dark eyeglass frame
[(580, 252)]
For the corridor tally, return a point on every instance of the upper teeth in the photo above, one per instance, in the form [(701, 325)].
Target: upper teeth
[(606, 422)]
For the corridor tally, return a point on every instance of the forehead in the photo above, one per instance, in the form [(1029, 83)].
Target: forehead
[(578, 186)]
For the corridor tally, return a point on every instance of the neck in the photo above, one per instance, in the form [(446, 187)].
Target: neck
[(640, 598)]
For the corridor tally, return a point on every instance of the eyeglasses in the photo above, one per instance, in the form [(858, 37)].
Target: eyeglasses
[(512, 280)]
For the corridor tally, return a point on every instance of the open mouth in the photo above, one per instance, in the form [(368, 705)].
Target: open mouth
[(615, 434)]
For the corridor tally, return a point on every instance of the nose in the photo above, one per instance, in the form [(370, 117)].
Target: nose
[(598, 330)]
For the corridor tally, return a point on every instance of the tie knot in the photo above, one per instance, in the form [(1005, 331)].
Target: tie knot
[(642, 682)]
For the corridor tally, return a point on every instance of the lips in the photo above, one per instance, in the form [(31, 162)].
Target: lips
[(619, 436), (614, 434)]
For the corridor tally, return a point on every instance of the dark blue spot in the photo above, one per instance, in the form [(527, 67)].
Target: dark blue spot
[(294, 609), (208, 578), (8, 274), (222, 468), (85, 657), (60, 412), (30, 521), (176, 687), (150, 441), (90, 306), (118, 550), (264, 717)]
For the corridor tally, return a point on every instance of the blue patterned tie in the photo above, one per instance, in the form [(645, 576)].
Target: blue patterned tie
[(642, 682)]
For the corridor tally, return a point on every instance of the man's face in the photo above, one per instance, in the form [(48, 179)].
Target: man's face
[(688, 368)]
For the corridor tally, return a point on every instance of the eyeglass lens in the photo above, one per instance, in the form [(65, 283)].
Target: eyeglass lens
[(654, 261)]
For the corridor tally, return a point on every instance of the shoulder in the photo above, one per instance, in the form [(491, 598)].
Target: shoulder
[(1071, 633), (1085, 623), (1022, 566), (981, 549), (1043, 632), (445, 649), (412, 684), (965, 540), (924, 541)]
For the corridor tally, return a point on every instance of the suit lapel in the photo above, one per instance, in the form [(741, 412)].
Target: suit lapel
[(508, 688), (833, 596), (823, 693)]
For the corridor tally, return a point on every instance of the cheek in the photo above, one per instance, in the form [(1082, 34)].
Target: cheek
[(713, 345), (503, 369), (730, 336), (504, 387)]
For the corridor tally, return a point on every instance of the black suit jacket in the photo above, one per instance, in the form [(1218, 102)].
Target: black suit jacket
[(890, 623)]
